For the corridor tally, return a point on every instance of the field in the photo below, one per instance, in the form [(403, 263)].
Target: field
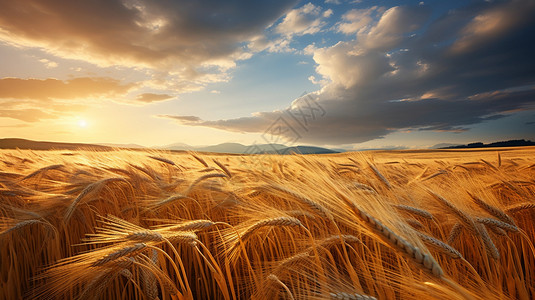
[(449, 224)]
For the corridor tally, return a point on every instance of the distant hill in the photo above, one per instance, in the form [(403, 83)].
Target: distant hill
[(443, 146), (511, 143), (224, 148), (234, 148), (129, 146), (14, 143), (304, 150)]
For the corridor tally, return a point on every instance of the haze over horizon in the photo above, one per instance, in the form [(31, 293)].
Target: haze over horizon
[(334, 73)]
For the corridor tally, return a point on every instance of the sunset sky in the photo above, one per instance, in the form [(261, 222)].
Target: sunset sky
[(334, 73)]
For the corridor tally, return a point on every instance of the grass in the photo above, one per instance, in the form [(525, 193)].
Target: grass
[(452, 224)]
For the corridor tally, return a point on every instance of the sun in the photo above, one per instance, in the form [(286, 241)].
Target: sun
[(82, 123)]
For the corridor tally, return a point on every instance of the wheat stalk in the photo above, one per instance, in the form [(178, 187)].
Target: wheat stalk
[(498, 231), (128, 250), (275, 279), (487, 241), (397, 242), (164, 160), (520, 207), (352, 296), (413, 210), (441, 172), (168, 200), (280, 221), (223, 167), (23, 224), (88, 189), (204, 177), (182, 237), (455, 232), (199, 159), (414, 223), (497, 223), (145, 236), (379, 175), (439, 245), (494, 211), (189, 226), (489, 164), (308, 202), (47, 168), (464, 218)]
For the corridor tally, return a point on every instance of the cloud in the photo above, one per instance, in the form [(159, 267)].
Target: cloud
[(188, 120), (48, 64), (41, 89), (26, 115), (33, 100), (278, 45), (392, 77), (192, 40), (357, 19), (150, 97), (304, 20), (392, 27)]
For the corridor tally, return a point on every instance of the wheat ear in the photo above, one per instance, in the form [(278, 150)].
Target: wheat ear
[(204, 177), (497, 223), (188, 225), (352, 296), (494, 211), (223, 167), (128, 250), (280, 221), (455, 232), (439, 245), (308, 202), (164, 160), (397, 242), (88, 189), (520, 207), (415, 211), (487, 241), (25, 223), (379, 175), (464, 218), (199, 159), (51, 167)]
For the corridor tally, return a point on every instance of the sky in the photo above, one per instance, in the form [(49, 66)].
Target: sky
[(336, 73)]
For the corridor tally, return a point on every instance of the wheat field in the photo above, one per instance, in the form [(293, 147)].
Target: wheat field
[(449, 224)]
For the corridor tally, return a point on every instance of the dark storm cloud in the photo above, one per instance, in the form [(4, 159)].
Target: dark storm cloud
[(464, 68)]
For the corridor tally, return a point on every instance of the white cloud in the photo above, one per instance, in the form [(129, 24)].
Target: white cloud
[(356, 19), (392, 27), (279, 45), (48, 64), (300, 21)]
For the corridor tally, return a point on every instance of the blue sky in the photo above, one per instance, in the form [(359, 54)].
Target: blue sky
[(344, 74)]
